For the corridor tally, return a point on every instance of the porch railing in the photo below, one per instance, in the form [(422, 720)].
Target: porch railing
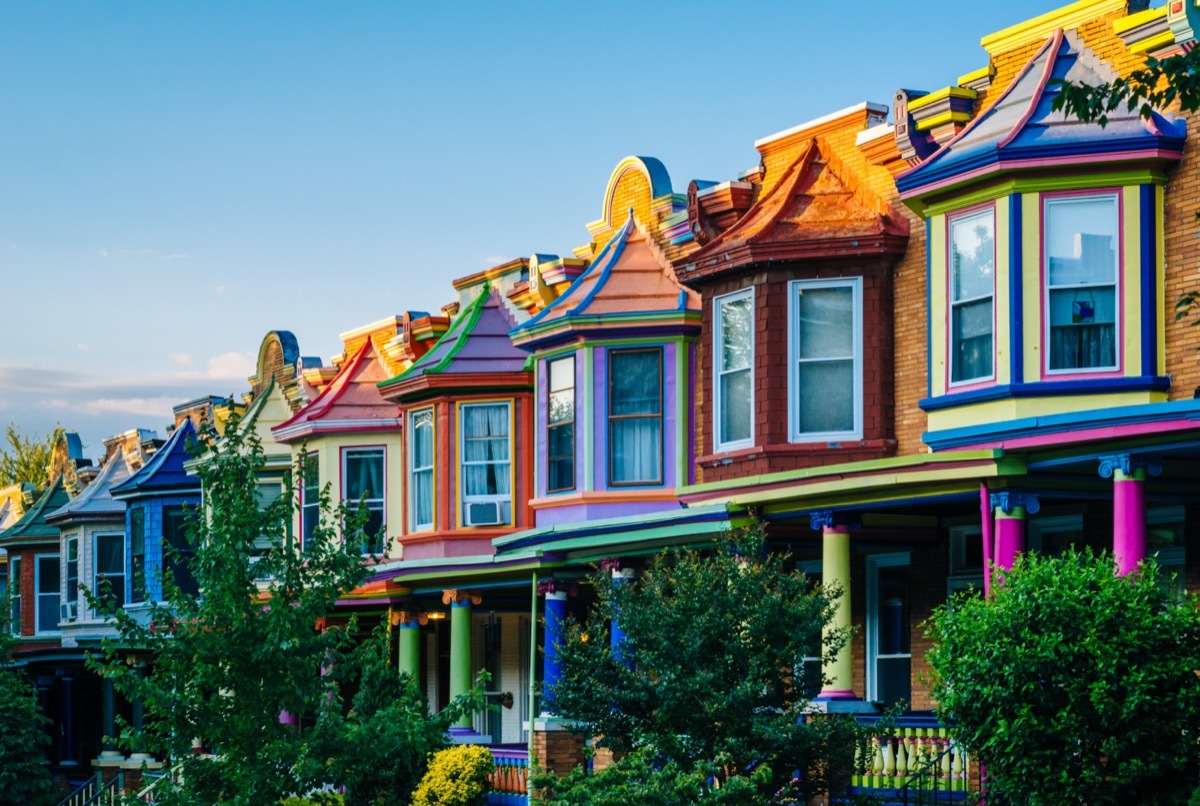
[(510, 778), (915, 762)]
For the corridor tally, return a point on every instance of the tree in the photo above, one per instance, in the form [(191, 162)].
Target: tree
[(27, 458), (714, 642), (1157, 85), (24, 776), (1073, 685)]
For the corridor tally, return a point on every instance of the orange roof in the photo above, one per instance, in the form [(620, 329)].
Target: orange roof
[(350, 403)]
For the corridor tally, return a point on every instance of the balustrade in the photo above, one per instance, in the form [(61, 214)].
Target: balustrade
[(510, 778), (916, 758)]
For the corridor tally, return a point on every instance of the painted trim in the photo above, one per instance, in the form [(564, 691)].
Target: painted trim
[(1147, 274), (575, 452), (929, 305), (589, 418), (1050, 388), (1039, 184), (683, 424), (1031, 30), (460, 436), (717, 352), (855, 284), (943, 94), (1016, 296)]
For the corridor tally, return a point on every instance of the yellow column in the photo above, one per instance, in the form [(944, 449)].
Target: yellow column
[(835, 571)]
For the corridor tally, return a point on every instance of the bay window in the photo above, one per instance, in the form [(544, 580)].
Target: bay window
[(733, 364), (362, 482), (178, 550), (486, 463), (635, 408), (972, 296), (1081, 282), (560, 425), (825, 366), (420, 470)]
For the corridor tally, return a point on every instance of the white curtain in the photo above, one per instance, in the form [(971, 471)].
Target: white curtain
[(486, 466)]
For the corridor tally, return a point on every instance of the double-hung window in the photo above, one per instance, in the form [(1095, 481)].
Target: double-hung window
[(889, 639), (137, 553), (14, 595), (47, 582), (310, 498), (70, 605), (109, 559), (560, 425), (825, 366), (486, 463), (420, 470), (362, 481), (972, 296), (178, 550), (1081, 282), (635, 407), (733, 361)]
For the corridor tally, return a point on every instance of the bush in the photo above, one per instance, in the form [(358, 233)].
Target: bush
[(1073, 685), (457, 776), (314, 799)]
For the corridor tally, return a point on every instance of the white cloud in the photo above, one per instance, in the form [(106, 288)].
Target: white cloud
[(183, 359), (83, 346), (157, 407), (231, 365)]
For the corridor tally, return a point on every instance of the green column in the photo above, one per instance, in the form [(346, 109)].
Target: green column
[(835, 570), (409, 640), (460, 648)]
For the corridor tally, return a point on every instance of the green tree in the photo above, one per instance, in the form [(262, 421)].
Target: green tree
[(1073, 685), (715, 641), (1157, 85), (24, 776), (27, 458)]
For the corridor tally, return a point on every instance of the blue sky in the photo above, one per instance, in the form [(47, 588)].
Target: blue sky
[(178, 179)]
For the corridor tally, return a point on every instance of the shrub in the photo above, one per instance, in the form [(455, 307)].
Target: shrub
[(457, 776)]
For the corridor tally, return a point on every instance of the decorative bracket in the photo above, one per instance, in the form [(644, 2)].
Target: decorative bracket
[(1008, 500), (1128, 464), (557, 586), (460, 597), (821, 518), (409, 617)]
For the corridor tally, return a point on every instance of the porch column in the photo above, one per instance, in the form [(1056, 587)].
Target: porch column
[(620, 576), (1010, 508), (1128, 473), (556, 593), (141, 669), (408, 653), (460, 645), (108, 719), (835, 571)]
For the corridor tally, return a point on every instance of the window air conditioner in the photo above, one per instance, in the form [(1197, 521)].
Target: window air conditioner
[(483, 513), (68, 611)]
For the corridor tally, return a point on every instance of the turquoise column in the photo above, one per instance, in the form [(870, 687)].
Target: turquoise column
[(460, 647)]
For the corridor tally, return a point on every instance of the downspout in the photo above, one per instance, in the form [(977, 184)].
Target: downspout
[(533, 606)]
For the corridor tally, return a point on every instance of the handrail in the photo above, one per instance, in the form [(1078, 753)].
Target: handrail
[(83, 793), (146, 794), (110, 790), (930, 766)]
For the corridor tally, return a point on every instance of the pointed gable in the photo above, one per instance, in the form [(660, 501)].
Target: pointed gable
[(1020, 129), (350, 403), (32, 527), (165, 472), (96, 501), (817, 210)]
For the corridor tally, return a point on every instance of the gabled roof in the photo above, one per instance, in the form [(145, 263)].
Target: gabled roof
[(164, 473), (33, 528), (350, 403), (628, 283), (817, 210), (477, 342), (1019, 129), (96, 501)]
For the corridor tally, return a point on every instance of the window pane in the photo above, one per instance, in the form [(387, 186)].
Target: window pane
[(1081, 241), (562, 373), (736, 415), (48, 576), (635, 449), (825, 397), (972, 255), (421, 469), (177, 550), (971, 332), (364, 474), (736, 343), (825, 323), (635, 382)]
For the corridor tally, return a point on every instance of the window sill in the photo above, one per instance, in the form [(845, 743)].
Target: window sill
[(1070, 385)]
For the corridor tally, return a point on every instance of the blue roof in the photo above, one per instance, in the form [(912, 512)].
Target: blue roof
[(1020, 124), (164, 472)]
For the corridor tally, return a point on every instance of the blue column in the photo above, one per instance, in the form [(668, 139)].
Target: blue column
[(620, 576), (556, 613)]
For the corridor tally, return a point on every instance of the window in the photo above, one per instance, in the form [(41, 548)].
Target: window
[(267, 494), (635, 405), (362, 480), (70, 605), (137, 553), (1165, 542), (889, 647), (14, 594), (733, 362), (420, 470), (966, 559), (47, 588), (972, 290), (110, 565), (1053, 535), (560, 425), (178, 550), (825, 370), (812, 668), (310, 501), (486, 464), (1081, 282)]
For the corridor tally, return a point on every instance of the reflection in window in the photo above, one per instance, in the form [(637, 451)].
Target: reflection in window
[(46, 589), (110, 567), (560, 426), (362, 481), (733, 354), (14, 594), (972, 286), (310, 500), (1081, 282), (826, 369), (635, 417), (178, 550), (137, 553), (420, 470)]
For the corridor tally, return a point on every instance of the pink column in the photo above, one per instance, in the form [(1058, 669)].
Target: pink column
[(1128, 473), (1010, 508)]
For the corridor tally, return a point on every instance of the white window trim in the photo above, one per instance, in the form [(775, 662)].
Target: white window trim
[(14, 573), (465, 499), (64, 591), (875, 562), (413, 526), (855, 283), (718, 348), (1118, 274), (96, 565), (576, 420), (990, 211), (37, 594)]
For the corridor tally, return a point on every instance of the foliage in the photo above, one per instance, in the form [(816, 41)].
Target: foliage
[(1073, 685), (24, 776), (226, 664), (27, 458), (457, 776), (379, 751), (315, 799), (1157, 85), (717, 640)]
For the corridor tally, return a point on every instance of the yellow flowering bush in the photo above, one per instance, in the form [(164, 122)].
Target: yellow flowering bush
[(457, 776)]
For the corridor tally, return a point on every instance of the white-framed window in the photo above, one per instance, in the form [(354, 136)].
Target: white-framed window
[(108, 560), (485, 463), (635, 417), (972, 292), (966, 559), (733, 370), (14, 594), (825, 359), (560, 425), (310, 497), (47, 582), (889, 640), (420, 470), (1081, 270), (363, 480), (812, 668), (70, 602)]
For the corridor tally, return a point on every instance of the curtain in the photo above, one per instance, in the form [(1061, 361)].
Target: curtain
[(364, 475), (486, 468), (421, 470), (635, 417), (971, 328)]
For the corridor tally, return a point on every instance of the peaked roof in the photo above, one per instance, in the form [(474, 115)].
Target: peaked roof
[(477, 342), (32, 527), (629, 280), (351, 402), (165, 472), (96, 501), (1020, 130), (817, 210)]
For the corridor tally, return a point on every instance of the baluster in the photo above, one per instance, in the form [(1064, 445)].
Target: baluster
[(902, 767), (889, 763), (877, 763), (944, 745), (957, 769)]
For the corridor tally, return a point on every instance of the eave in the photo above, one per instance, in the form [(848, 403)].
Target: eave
[(420, 387), (799, 251), (650, 324)]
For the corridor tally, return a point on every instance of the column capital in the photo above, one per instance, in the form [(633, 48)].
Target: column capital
[(821, 519), (408, 618), (1128, 464), (618, 568), (1008, 500), (557, 586), (461, 597)]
